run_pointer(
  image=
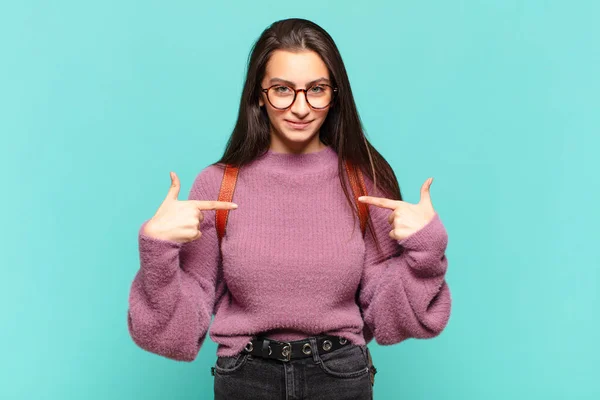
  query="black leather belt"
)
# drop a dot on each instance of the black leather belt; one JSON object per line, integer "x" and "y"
{"x": 285, "y": 351}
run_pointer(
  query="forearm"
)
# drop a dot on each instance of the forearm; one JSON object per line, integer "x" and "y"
{"x": 169, "y": 311}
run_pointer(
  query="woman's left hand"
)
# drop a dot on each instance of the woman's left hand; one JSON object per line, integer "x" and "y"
{"x": 406, "y": 218}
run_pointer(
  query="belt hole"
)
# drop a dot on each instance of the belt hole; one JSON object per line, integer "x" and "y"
{"x": 306, "y": 348}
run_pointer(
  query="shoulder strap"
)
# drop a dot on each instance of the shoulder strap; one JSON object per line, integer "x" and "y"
{"x": 230, "y": 178}
{"x": 225, "y": 194}
{"x": 359, "y": 189}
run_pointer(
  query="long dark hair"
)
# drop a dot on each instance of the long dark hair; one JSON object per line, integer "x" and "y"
{"x": 342, "y": 129}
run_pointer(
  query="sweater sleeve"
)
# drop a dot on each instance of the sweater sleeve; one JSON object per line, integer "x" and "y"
{"x": 403, "y": 291}
{"x": 174, "y": 292}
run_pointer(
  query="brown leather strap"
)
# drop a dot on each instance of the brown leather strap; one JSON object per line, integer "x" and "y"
{"x": 230, "y": 178}
{"x": 359, "y": 189}
{"x": 225, "y": 194}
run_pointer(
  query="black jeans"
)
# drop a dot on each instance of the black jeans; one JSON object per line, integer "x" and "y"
{"x": 340, "y": 374}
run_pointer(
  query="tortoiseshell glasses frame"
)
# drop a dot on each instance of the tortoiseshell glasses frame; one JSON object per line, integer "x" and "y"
{"x": 334, "y": 91}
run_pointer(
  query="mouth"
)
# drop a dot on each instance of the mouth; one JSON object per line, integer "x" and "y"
{"x": 297, "y": 124}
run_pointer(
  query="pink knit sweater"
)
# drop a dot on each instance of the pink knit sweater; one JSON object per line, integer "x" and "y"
{"x": 293, "y": 258}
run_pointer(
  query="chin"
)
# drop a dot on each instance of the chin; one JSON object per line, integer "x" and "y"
{"x": 298, "y": 136}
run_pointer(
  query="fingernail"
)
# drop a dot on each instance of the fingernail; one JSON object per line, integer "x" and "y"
{"x": 234, "y": 205}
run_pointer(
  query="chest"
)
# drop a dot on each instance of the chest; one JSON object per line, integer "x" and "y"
{"x": 296, "y": 232}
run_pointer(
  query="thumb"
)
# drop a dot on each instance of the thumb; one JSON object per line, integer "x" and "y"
{"x": 425, "y": 193}
{"x": 174, "y": 189}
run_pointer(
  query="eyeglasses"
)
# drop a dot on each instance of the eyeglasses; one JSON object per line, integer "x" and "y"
{"x": 317, "y": 96}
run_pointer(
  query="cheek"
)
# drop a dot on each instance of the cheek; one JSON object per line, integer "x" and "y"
{"x": 321, "y": 115}
{"x": 276, "y": 118}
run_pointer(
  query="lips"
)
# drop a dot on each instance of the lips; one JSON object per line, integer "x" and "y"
{"x": 298, "y": 124}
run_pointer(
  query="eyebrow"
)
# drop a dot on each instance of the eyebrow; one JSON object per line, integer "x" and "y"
{"x": 322, "y": 79}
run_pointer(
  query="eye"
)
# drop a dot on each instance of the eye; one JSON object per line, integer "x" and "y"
{"x": 281, "y": 89}
{"x": 317, "y": 89}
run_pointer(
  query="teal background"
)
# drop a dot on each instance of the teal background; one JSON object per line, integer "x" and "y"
{"x": 497, "y": 100}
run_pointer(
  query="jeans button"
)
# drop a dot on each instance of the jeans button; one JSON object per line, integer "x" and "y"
{"x": 327, "y": 345}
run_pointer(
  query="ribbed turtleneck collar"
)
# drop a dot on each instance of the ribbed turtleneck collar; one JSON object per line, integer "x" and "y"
{"x": 298, "y": 163}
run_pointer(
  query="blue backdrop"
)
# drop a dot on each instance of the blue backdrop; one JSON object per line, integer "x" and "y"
{"x": 497, "y": 100}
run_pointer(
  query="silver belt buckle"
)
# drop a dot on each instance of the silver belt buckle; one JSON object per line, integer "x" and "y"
{"x": 286, "y": 351}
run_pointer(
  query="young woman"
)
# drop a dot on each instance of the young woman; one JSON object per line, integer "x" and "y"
{"x": 296, "y": 289}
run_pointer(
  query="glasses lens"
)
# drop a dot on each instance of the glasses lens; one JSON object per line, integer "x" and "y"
{"x": 281, "y": 96}
{"x": 318, "y": 96}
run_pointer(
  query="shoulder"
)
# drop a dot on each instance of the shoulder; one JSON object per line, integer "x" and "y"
{"x": 208, "y": 182}
{"x": 373, "y": 188}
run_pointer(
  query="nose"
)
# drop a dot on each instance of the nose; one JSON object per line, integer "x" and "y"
{"x": 300, "y": 108}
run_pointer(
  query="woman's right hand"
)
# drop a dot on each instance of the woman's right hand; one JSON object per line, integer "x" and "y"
{"x": 179, "y": 220}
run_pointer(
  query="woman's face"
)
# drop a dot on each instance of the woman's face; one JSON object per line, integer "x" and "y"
{"x": 297, "y": 70}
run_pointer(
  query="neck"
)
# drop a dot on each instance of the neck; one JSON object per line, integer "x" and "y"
{"x": 280, "y": 145}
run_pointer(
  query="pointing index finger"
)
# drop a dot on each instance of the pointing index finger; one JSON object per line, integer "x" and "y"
{"x": 379, "y": 202}
{"x": 215, "y": 205}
